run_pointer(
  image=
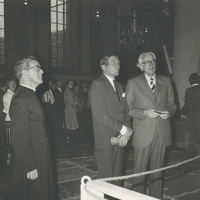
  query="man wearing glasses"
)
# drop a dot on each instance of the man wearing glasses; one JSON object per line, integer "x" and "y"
{"x": 151, "y": 104}
{"x": 31, "y": 173}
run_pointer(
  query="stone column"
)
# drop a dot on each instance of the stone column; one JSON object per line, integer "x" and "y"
{"x": 186, "y": 44}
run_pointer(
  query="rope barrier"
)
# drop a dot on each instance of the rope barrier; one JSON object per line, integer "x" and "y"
{"x": 149, "y": 172}
{"x": 139, "y": 174}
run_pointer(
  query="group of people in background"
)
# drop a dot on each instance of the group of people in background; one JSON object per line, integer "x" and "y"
{"x": 66, "y": 109}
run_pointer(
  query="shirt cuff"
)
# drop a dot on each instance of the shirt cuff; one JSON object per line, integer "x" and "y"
{"x": 123, "y": 130}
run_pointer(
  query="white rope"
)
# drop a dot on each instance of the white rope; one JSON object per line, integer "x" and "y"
{"x": 138, "y": 174}
{"x": 149, "y": 172}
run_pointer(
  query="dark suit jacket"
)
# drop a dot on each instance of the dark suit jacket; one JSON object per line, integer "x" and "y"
{"x": 108, "y": 113}
{"x": 30, "y": 148}
{"x": 59, "y": 100}
{"x": 139, "y": 98}
{"x": 192, "y": 107}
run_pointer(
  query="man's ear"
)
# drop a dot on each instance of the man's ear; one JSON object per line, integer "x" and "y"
{"x": 24, "y": 72}
{"x": 140, "y": 66}
{"x": 103, "y": 67}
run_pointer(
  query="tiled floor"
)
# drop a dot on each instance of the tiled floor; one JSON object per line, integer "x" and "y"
{"x": 77, "y": 161}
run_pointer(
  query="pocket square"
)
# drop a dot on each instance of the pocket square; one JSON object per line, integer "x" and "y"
{"x": 123, "y": 95}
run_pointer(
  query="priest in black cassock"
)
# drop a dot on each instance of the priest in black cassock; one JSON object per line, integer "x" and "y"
{"x": 31, "y": 171}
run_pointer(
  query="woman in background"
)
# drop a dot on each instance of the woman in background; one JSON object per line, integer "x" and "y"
{"x": 71, "y": 123}
{"x": 11, "y": 86}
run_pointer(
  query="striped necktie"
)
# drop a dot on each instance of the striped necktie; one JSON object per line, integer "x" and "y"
{"x": 152, "y": 85}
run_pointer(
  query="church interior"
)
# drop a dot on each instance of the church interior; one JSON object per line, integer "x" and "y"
{"x": 69, "y": 37}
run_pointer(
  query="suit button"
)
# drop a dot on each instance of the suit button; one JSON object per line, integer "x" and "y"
{"x": 122, "y": 112}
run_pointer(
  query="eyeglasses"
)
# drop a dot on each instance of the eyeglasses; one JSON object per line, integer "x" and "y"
{"x": 38, "y": 68}
{"x": 152, "y": 62}
{"x": 114, "y": 62}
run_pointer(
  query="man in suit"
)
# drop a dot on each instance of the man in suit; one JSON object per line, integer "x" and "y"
{"x": 58, "y": 108}
{"x": 191, "y": 110}
{"x": 31, "y": 171}
{"x": 151, "y": 103}
{"x": 110, "y": 118}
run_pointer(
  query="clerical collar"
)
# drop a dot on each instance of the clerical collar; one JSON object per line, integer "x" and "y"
{"x": 28, "y": 87}
{"x": 195, "y": 84}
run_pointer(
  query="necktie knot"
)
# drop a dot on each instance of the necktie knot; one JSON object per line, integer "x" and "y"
{"x": 152, "y": 85}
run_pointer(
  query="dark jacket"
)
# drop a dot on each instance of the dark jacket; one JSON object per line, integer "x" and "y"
{"x": 30, "y": 145}
{"x": 108, "y": 113}
{"x": 192, "y": 107}
{"x": 59, "y": 100}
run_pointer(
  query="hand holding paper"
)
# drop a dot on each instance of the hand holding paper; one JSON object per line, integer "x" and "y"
{"x": 163, "y": 114}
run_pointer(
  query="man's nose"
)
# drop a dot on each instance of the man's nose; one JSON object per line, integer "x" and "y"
{"x": 41, "y": 71}
{"x": 117, "y": 66}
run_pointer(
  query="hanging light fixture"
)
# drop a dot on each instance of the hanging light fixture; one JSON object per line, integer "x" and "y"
{"x": 133, "y": 37}
{"x": 25, "y": 2}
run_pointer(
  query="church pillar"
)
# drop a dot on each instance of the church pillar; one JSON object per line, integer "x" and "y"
{"x": 186, "y": 44}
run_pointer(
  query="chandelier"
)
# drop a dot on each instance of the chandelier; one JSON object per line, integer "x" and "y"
{"x": 131, "y": 38}
{"x": 134, "y": 38}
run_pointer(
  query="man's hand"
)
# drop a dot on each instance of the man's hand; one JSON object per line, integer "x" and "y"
{"x": 128, "y": 133}
{"x": 164, "y": 116}
{"x": 32, "y": 175}
{"x": 150, "y": 113}
{"x": 123, "y": 141}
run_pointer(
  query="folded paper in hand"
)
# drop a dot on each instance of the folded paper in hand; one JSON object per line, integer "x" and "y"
{"x": 161, "y": 112}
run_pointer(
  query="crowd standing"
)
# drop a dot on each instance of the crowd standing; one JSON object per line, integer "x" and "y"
{"x": 32, "y": 124}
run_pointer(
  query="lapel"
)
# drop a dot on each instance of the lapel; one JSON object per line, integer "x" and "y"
{"x": 120, "y": 92}
{"x": 145, "y": 86}
{"x": 109, "y": 88}
{"x": 147, "y": 89}
{"x": 159, "y": 85}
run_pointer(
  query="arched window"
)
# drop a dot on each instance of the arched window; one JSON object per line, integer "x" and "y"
{"x": 64, "y": 34}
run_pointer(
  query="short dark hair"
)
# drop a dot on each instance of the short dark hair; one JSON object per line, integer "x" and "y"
{"x": 10, "y": 80}
{"x": 194, "y": 78}
{"x": 104, "y": 60}
{"x": 67, "y": 82}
